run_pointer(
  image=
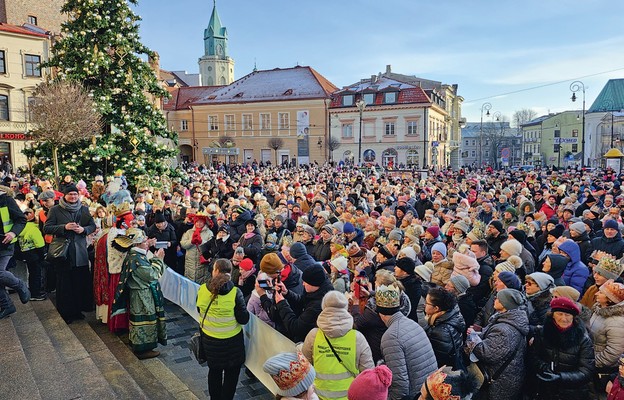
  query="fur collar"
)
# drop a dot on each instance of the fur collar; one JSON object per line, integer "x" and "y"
{"x": 562, "y": 340}
{"x": 610, "y": 311}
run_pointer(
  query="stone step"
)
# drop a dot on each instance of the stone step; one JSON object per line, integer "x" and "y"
{"x": 156, "y": 386}
{"x": 60, "y": 366}
{"x": 17, "y": 379}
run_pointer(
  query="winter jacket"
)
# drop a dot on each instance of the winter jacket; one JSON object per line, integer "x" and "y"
{"x": 569, "y": 354}
{"x": 335, "y": 323}
{"x": 539, "y": 305}
{"x": 421, "y": 206}
{"x": 413, "y": 290}
{"x": 254, "y": 306}
{"x": 469, "y": 272}
{"x": 30, "y": 238}
{"x": 193, "y": 269}
{"x": 373, "y": 328}
{"x": 528, "y": 261}
{"x": 575, "y": 273}
{"x": 613, "y": 246}
{"x": 168, "y": 234}
{"x": 505, "y": 333}
{"x": 495, "y": 244}
{"x": 467, "y": 308}
{"x": 607, "y": 330}
{"x": 483, "y": 316}
{"x": 446, "y": 337}
{"x": 558, "y": 265}
{"x": 218, "y": 248}
{"x": 297, "y": 325}
{"x": 426, "y": 248}
{"x": 481, "y": 292}
{"x": 58, "y": 217}
{"x": 409, "y": 355}
{"x": 617, "y": 390}
{"x": 358, "y": 238}
{"x": 304, "y": 262}
{"x": 322, "y": 252}
{"x": 230, "y": 352}
{"x": 585, "y": 245}
{"x": 252, "y": 246}
{"x": 442, "y": 272}
{"x": 237, "y": 227}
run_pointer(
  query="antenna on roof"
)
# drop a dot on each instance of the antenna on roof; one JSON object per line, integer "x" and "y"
{"x": 255, "y": 65}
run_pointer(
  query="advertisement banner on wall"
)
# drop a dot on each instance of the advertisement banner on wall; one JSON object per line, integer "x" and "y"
{"x": 303, "y": 124}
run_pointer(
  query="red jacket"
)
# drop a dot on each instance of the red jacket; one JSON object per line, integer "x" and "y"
{"x": 548, "y": 210}
{"x": 617, "y": 391}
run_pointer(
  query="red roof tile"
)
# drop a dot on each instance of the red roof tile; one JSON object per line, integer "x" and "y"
{"x": 19, "y": 30}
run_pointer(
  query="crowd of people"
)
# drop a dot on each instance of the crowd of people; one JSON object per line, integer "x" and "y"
{"x": 395, "y": 284}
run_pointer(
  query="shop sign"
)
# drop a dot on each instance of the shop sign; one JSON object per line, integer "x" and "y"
{"x": 12, "y": 136}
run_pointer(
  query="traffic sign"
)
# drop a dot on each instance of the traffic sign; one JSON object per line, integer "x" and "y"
{"x": 435, "y": 144}
{"x": 505, "y": 152}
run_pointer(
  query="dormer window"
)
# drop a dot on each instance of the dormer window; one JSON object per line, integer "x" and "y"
{"x": 369, "y": 98}
{"x": 32, "y": 20}
{"x": 390, "y": 97}
{"x": 347, "y": 100}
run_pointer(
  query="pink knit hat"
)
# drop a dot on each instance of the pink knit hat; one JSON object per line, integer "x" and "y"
{"x": 371, "y": 384}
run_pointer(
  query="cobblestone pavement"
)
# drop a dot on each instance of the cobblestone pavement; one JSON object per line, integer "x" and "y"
{"x": 177, "y": 357}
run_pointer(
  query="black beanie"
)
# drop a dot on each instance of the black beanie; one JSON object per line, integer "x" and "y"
{"x": 498, "y": 226}
{"x": 406, "y": 264}
{"x": 70, "y": 188}
{"x": 159, "y": 217}
{"x": 519, "y": 235}
{"x": 314, "y": 275}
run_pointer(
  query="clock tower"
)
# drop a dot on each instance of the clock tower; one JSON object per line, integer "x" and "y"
{"x": 216, "y": 68}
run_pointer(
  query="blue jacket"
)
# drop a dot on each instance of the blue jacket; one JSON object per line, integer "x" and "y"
{"x": 575, "y": 273}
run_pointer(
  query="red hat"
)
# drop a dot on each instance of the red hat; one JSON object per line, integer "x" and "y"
{"x": 434, "y": 231}
{"x": 565, "y": 305}
{"x": 246, "y": 264}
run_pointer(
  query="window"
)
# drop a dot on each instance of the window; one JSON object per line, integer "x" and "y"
{"x": 283, "y": 120}
{"x": 228, "y": 122}
{"x": 184, "y": 125}
{"x": 390, "y": 97}
{"x": 557, "y": 133}
{"x": 474, "y": 142}
{"x": 574, "y": 148}
{"x": 4, "y": 108}
{"x": 2, "y": 62}
{"x": 32, "y": 20}
{"x": 389, "y": 129}
{"x": 574, "y": 132}
{"x": 347, "y": 130}
{"x": 413, "y": 158}
{"x": 213, "y": 123}
{"x": 247, "y": 122}
{"x": 369, "y": 98}
{"x": 556, "y": 149}
{"x": 31, "y": 102}
{"x": 265, "y": 121}
{"x": 347, "y": 100}
{"x": 412, "y": 128}
{"x": 487, "y": 153}
{"x": 467, "y": 143}
{"x": 487, "y": 142}
{"x": 31, "y": 64}
{"x": 473, "y": 153}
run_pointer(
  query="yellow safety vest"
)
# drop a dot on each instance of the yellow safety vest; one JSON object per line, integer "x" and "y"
{"x": 332, "y": 378}
{"x": 7, "y": 224}
{"x": 220, "y": 322}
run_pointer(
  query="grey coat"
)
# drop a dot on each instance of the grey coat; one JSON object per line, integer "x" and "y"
{"x": 505, "y": 332}
{"x": 408, "y": 353}
{"x": 58, "y": 217}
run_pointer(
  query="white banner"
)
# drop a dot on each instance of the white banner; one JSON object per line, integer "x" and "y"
{"x": 261, "y": 341}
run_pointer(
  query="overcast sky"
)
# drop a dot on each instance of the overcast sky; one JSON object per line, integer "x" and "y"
{"x": 513, "y": 54}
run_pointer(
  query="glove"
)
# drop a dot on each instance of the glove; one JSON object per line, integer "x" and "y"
{"x": 196, "y": 238}
{"x": 548, "y": 376}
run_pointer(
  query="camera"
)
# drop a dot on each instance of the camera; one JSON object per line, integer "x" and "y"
{"x": 265, "y": 284}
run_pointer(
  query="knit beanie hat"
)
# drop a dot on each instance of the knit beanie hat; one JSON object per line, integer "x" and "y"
{"x": 563, "y": 304}
{"x": 543, "y": 280}
{"x": 557, "y": 231}
{"x": 388, "y": 299}
{"x": 609, "y": 268}
{"x": 608, "y": 224}
{"x": 246, "y": 264}
{"x": 578, "y": 227}
{"x": 70, "y": 188}
{"x": 613, "y": 290}
{"x": 519, "y": 235}
{"x": 434, "y": 231}
{"x": 439, "y": 247}
{"x": 408, "y": 252}
{"x": 292, "y": 373}
{"x": 334, "y": 299}
{"x": 159, "y": 217}
{"x": 510, "y": 280}
{"x": 383, "y": 250}
{"x": 566, "y": 291}
{"x": 328, "y": 229}
{"x": 314, "y": 275}
{"x": 462, "y": 226}
{"x": 511, "y": 264}
{"x": 371, "y": 384}
{"x": 406, "y": 264}
{"x": 467, "y": 259}
{"x": 425, "y": 271}
{"x": 460, "y": 283}
{"x": 497, "y": 225}
{"x": 271, "y": 264}
{"x": 340, "y": 263}
{"x": 348, "y": 228}
{"x": 395, "y": 234}
{"x": 298, "y": 250}
{"x": 510, "y": 298}
{"x": 512, "y": 247}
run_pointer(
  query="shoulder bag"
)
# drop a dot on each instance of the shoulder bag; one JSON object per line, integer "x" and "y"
{"x": 195, "y": 344}
{"x": 59, "y": 247}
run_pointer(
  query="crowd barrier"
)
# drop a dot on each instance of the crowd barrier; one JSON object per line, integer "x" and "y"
{"x": 261, "y": 340}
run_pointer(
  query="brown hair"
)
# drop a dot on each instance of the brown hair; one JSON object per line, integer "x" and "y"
{"x": 224, "y": 266}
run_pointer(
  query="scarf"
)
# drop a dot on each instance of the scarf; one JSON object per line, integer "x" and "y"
{"x": 71, "y": 207}
{"x": 432, "y": 318}
{"x": 196, "y": 238}
{"x": 244, "y": 275}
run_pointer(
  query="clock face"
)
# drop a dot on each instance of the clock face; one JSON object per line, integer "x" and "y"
{"x": 219, "y": 50}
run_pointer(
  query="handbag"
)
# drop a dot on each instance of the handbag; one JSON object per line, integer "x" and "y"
{"x": 195, "y": 342}
{"x": 58, "y": 250}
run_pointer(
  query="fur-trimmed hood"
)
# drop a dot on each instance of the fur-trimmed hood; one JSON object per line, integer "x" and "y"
{"x": 609, "y": 311}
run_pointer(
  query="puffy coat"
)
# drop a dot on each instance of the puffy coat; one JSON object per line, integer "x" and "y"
{"x": 409, "y": 355}
{"x": 298, "y": 325}
{"x": 505, "y": 332}
{"x": 613, "y": 246}
{"x": 446, "y": 337}
{"x": 539, "y": 305}
{"x": 575, "y": 273}
{"x": 483, "y": 316}
{"x": 442, "y": 272}
{"x": 230, "y": 352}
{"x": 607, "y": 329}
{"x": 373, "y": 328}
{"x": 495, "y": 243}
{"x": 570, "y": 354}
{"x": 462, "y": 265}
{"x": 237, "y": 227}
{"x": 585, "y": 245}
{"x": 322, "y": 252}
{"x": 413, "y": 290}
{"x": 467, "y": 308}
{"x": 335, "y": 323}
{"x": 193, "y": 269}
{"x": 252, "y": 246}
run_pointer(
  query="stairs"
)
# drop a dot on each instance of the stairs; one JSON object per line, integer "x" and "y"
{"x": 44, "y": 358}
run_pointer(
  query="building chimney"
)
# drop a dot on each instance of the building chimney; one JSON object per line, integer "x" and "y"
{"x": 388, "y": 69}
{"x": 373, "y": 78}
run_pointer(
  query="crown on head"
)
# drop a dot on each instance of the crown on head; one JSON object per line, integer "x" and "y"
{"x": 289, "y": 378}
{"x": 388, "y": 296}
{"x": 439, "y": 389}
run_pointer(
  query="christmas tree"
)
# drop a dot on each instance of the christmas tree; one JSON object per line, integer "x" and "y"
{"x": 101, "y": 49}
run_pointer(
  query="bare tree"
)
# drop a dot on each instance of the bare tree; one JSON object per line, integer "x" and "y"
{"x": 63, "y": 113}
{"x": 333, "y": 144}
{"x": 493, "y": 133}
{"x": 523, "y": 116}
{"x": 276, "y": 144}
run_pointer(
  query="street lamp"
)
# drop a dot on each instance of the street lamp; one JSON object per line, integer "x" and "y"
{"x": 607, "y": 105}
{"x": 360, "y": 104}
{"x": 575, "y": 87}
{"x": 484, "y": 107}
{"x": 558, "y": 145}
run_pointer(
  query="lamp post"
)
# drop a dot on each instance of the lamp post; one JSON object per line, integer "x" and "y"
{"x": 360, "y": 104}
{"x": 575, "y": 87}
{"x": 607, "y": 105}
{"x": 558, "y": 145}
{"x": 484, "y": 107}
